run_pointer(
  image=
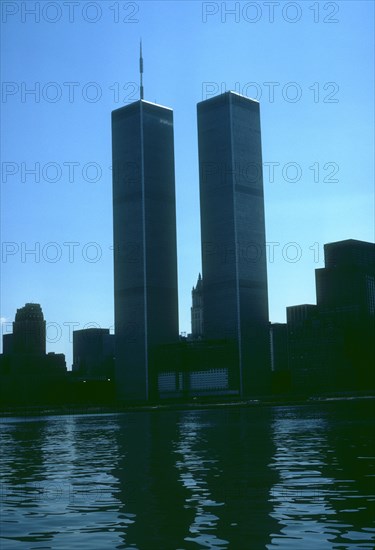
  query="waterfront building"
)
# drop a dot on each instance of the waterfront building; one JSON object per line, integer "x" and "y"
{"x": 331, "y": 345}
{"x": 145, "y": 250}
{"x": 93, "y": 353}
{"x": 29, "y": 375}
{"x": 233, "y": 235}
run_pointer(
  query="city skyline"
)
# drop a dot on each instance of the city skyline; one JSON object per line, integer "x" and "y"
{"x": 307, "y": 213}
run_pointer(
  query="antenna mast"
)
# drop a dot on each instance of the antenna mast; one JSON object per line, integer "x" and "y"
{"x": 141, "y": 69}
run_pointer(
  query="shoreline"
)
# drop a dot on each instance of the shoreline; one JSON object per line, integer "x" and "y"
{"x": 70, "y": 410}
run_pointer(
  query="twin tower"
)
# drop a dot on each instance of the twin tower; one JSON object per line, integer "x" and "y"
{"x": 235, "y": 297}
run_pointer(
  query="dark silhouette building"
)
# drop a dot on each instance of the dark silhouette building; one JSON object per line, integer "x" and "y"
{"x": 145, "y": 251}
{"x": 27, "y": 374}
{"x": 29, "y": 331}
{"x": 304, "y": 356}
{"x": 197, "y": 310}
{"x": 7, "y": 344}
{"x": 331, "y": 345}
{"x": 279, "y": 346}
{"x": 197, "y": 368}
{"x": 93, "y": 353}
{"x": 280, "y": 373}
{"x": 347, "y": 280}
{"x": 233, "y": 235}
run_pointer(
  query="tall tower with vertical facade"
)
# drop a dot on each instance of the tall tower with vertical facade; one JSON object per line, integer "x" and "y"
{"x": 145, "y": 249}
{"x": 233, "y": 234}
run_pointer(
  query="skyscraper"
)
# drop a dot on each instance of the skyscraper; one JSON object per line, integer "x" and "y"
{"x": 145, "y": 252}
{"x": 233, "y": 234}
{"x": 29, "y": 330}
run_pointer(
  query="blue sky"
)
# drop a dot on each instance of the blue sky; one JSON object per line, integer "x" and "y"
{"x": 81, "y": 60}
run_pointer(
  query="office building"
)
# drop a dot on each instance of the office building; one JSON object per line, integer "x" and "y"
{"x": 348, "y": 278}
{"x": 331, "y": 345}
{"x": 27, "y": 373}
{"x": 233, "y": 235}
{"x": 93, "y": 353}
{"x": 145, "y": 252}
{"x": 29, "y": 330}
{"x": 280, "y": 372}
{"x": 279, "y": 347}
{"x": 304, "y": 347}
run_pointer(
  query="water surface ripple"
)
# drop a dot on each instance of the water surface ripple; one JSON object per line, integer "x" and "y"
{"x": 240, "y": 478}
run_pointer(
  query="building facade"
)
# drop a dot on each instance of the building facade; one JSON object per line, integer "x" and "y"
{"x": 29, "y": 330}
{"x": 93, "y": 353}
{"x": 233, "y": 235}
{"x": 279, "y": 347}
{"x": 145, "y": 250}
{"x": 331, "y": 345}
{"x": 27, "y": 373}
{"x": 197, "y": 310}
{"x": 348, "y": 278}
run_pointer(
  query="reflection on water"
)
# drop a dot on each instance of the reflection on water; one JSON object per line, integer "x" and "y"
{"x": 282, "y": 477}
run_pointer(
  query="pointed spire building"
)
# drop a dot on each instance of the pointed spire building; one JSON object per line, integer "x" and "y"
{"x": 197, "y": 309}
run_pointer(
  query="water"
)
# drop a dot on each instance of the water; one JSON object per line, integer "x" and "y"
{"x": 281, "y": 477}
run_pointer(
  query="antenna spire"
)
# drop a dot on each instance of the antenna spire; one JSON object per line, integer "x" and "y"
{"x": 141, "y": 69}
